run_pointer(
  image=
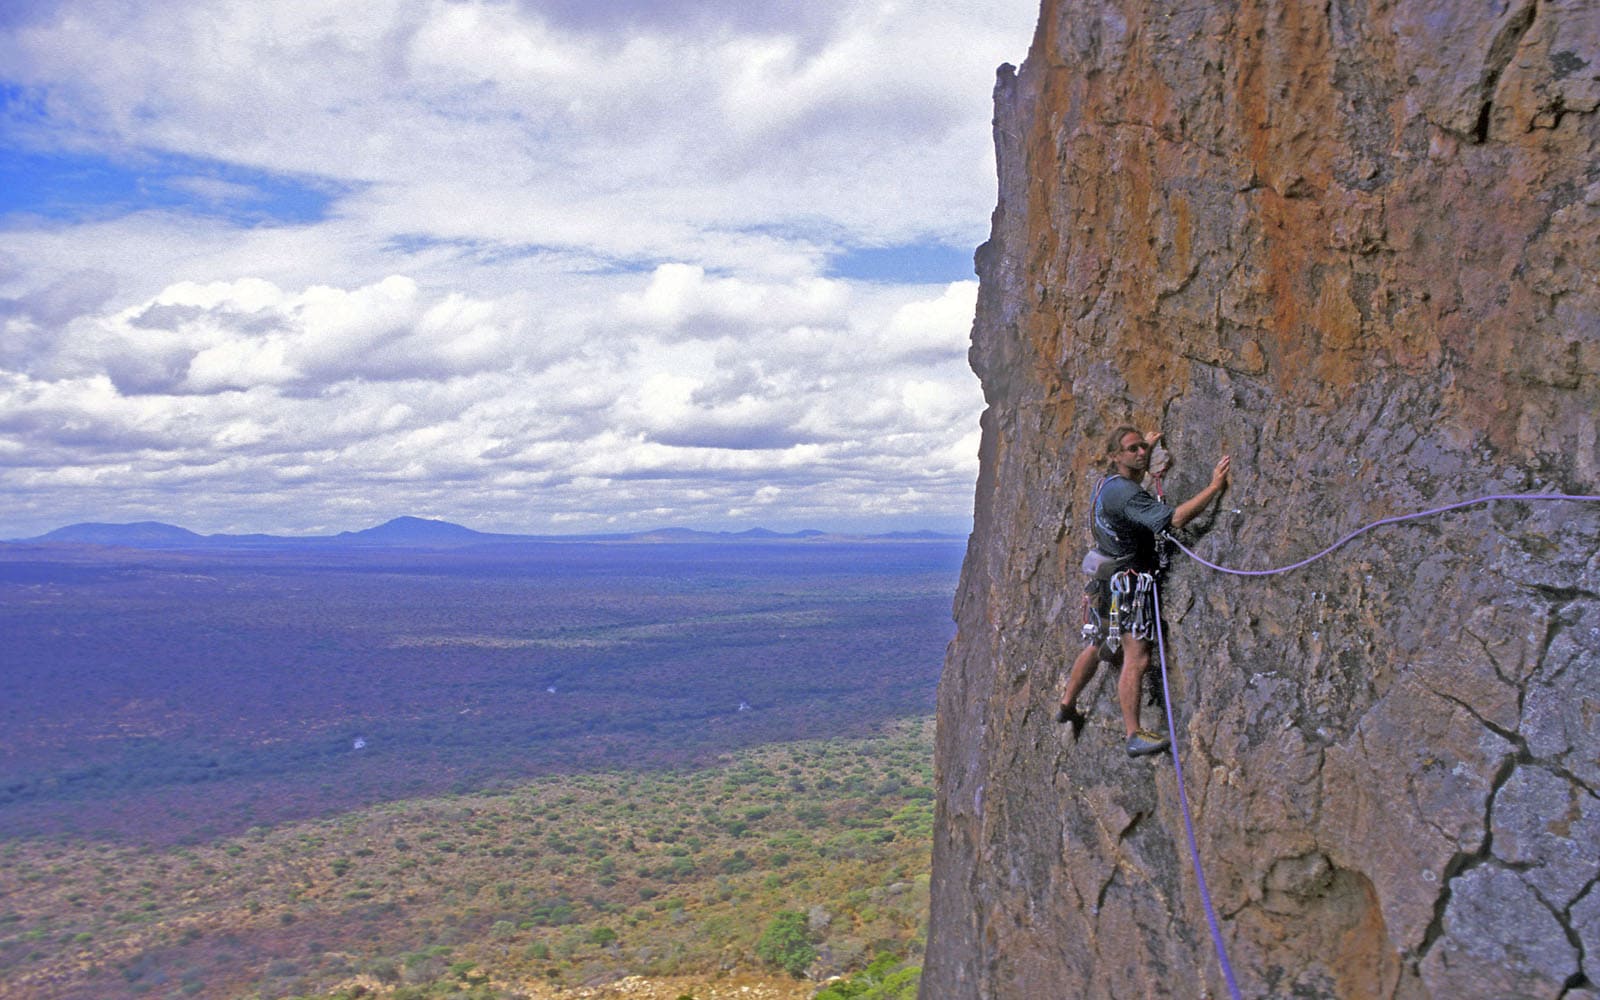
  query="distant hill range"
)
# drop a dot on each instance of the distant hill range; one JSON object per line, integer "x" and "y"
{"x": 417, "y": 532}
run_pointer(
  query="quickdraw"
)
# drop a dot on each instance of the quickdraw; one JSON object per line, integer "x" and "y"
{"x": 1142, "y": 584}
{"x": 1119, "y": 586}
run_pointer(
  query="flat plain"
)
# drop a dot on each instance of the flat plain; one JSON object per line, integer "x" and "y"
{"x": 264, "y": 773}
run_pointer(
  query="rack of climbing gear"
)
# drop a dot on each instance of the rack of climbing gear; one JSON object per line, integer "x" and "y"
{"x": 1128, "y": 609}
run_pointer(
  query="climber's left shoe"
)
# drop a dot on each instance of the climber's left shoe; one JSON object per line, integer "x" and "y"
{"x": 1145, "y": 742}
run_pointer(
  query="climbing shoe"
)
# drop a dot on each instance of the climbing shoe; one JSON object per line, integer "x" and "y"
{"x": 1068, "y": 715}
{"x": 1145, "y": 742}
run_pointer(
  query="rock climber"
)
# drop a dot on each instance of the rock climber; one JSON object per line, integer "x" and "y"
{"x": 1126, "y": 519}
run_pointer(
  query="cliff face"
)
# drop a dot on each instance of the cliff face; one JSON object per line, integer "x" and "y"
{"x": 1354, "y": 245}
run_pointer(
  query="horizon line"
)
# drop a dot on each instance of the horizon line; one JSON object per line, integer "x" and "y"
{"x": 174, "y": 533}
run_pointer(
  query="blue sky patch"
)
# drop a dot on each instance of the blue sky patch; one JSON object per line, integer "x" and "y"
{"x": 916, "y": 263}
{"x": 493, "y": 252}
{"x": 79, "y": 187}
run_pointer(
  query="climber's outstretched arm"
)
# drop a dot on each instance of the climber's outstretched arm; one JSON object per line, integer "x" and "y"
{"x": 1187, "y": 510}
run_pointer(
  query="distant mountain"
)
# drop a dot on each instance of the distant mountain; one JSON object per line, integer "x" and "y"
{"x": 141, "y": 534}
{"x": 757, "y": 533}
{"x": 420, "y": 532}
{"x": 400, "y": 532}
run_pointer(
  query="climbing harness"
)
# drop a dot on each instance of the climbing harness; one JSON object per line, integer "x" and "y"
{"x": 1172, "y": 726}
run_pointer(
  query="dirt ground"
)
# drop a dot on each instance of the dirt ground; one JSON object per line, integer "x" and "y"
{"x": 730, "y": 987}
{"x": 673, "y": 988}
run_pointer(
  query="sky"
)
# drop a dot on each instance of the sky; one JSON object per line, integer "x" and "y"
{"x": 540, "y": 266}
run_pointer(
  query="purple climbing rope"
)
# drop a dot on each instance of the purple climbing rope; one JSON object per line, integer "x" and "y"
{"x": 1188, "y": 821}
{"x": 1172, "y": 726}
{"x": 1375, "y": 524}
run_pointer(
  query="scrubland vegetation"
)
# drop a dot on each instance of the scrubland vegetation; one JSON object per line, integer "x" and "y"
{"x": 558, "y": 881}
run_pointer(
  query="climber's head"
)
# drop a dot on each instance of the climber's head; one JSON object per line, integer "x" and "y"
{"x": 1129, "y": 451}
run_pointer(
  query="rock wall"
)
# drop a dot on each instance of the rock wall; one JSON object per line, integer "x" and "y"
{"x": 1355, "y": 245}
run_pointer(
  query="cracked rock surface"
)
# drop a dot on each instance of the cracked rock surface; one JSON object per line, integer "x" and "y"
{"x": 1355, "y": 246}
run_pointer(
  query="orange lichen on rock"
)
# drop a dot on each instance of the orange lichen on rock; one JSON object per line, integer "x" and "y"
{"x": 1353, "y": 245}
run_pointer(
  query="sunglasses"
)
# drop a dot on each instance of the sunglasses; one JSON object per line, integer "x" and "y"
{"x": 1141, "y": 446}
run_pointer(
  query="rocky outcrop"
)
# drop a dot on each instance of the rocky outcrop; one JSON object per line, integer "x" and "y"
{"x": 1354, "y": 245}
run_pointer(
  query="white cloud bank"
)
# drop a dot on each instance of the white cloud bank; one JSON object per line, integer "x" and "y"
{"x": 573, "y": 272}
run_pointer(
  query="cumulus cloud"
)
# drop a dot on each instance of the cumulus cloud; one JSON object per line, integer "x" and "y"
{"x": 346, "y": 389}
{"x": 934, "y": 330}
{"x": 208, "y": 338}
{"x": 534, "y": 269}
{"x": 680, "y": 297}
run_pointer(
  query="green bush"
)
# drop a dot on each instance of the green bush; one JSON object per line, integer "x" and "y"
{"x": 786, "y": 943}
{"x": 878, "y": 981}
{"x": 384, "y": 970}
